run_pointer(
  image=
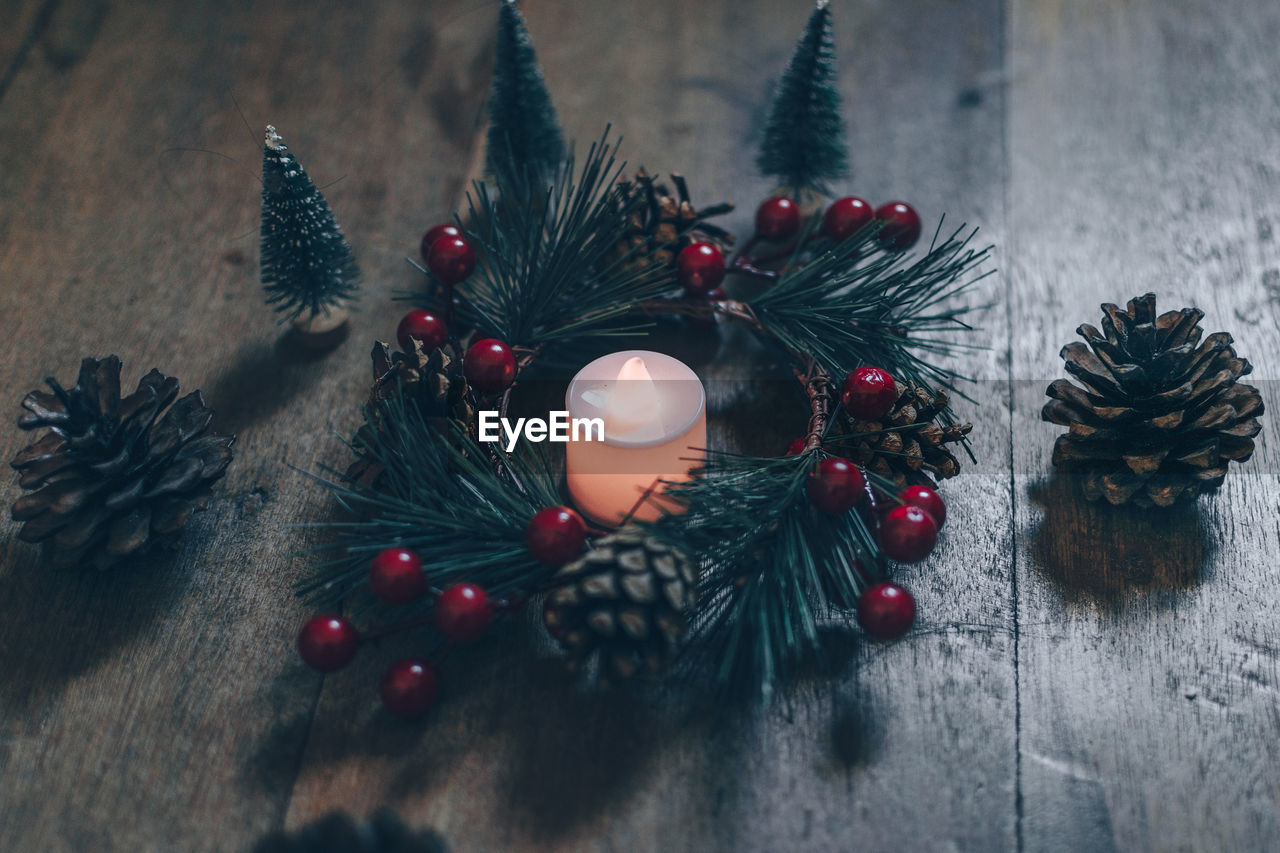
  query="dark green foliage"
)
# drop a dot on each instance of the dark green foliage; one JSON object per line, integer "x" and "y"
{"x": 804, "y": 139}
{"x": 462, "y": 504}
{"x": 852, "y": 305}
{"x": 772, "y": 568}
{"x": 525, "y": 142}
{"x": 307, "y": 265}
{"x": 549, "y": 271}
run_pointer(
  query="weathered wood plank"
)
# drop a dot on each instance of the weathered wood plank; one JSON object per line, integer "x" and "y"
{"x": 162, "y": 707}
{"x": 515, "y": 758}
{"x": 1143, "y": 154}
{"x": 26, "y": 22}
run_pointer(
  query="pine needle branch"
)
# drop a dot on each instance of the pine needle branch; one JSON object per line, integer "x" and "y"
{"x": 852, "y": 305}
{"x": 550, "y": 270}
{"x": 441, "y": 496}
{"x": 773, "y": 568}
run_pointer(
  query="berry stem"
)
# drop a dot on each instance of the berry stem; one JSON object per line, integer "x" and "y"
{"x": 817, "y": 384}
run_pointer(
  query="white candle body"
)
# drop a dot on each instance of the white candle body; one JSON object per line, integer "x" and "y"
{"x": 607, "y": 478}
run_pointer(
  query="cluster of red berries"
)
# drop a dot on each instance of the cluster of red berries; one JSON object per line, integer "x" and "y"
{"x": 447, "y": 253}
{"x": 907, "y": 528}
{"x": 462, "y": 613}
{"x": 489, "y": 364}
{"x": 701, "y": 266}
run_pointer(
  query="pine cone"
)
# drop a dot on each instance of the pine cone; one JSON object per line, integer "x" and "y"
{"x": 431, "y": 381}
{"x": 112, "y": 477}
{"x": 625, "y": 598}
{"x": 1160, "y": 413}
{"x": 909, "y": 444}
{"x": 663, "y": 224}
{"x": 338, "y": 832}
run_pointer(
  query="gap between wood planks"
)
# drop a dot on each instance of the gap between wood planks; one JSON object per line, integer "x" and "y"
{"x": 1005, "y": 205}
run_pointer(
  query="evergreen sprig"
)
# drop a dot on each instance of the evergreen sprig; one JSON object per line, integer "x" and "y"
{"x": 853, "y": 305}
{"x": 550, "y": 270}
{"x": 443, "y": 494}
{"x": 773, "y": 568}
{"x": 804, "y": 139}
{"x": 307, "y": 264}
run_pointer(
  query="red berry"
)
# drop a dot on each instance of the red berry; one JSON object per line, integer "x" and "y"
{"x": 700, "y": 268}
{"x": 434, "y": 233}
{"x": 396, "y": 576}
{"x": 908, "y": 534}
{"x": 490, "y": 365}
{"x": 901, "y": 226}
{"x": 846, "y": 217}
{"x": 464, "y": 612}
{"x": 797, "y": 445}
{"x": 409, "y": 688}
{"x": 555, "y": 535}
{"x": 927, "y": 499}
{"x": 835, "y": 486}
{"x": 428, "y": 328}
{"x": 868, "y": 393}
{"x": 886, "y": 611}
{"x": 327, "y": 642}
{"x": 451, "y": 259}
{"x": 777, "y": 218}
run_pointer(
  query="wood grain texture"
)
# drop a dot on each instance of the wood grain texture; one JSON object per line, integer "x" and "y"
{"x": 164, "y": 708}
{"x": 1143, "y": 157}
{"x": 1080, "y": 679}
{"x": 516, "y": 758}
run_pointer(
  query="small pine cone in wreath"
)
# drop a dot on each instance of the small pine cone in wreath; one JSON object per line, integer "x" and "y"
{"x": 112, "y": 477}
{"x": 1161, "y": 412}
{"x": 431, "y": 381}
{"x": 910, "y": 447}
{"x": 626, "y": 598}
{"x": 339, "y": 832}
{"x": 663, "y": 223}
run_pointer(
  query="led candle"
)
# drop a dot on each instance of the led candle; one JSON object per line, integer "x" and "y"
{"x": 654, "y": 411}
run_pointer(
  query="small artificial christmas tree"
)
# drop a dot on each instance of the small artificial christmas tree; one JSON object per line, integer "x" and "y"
{"x": 308, "y": 270}
{"x": 804, "y": 139}
{"x": 524, "y": 133}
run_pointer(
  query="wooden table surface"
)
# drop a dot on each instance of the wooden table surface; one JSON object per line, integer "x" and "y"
{"x": 1079, "y": 679}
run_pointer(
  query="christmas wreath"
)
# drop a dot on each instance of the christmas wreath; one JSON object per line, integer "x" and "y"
{"x": 735, "y": 567}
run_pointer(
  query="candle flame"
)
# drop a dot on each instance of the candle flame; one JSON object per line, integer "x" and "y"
{"x": 634, "y": 409}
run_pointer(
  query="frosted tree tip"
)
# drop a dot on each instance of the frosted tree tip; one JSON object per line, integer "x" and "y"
{"x": 274, "y": 140}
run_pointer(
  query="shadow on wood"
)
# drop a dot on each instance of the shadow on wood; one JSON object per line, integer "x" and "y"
{"x": 574, "y": 756}
{"x": 262, "y": 380}
{"x": 61, "y": 623}
{"x": 1106, "y": 551}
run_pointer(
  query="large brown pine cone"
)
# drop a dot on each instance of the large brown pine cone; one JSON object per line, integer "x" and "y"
{"x": 1161, "y": 412}
{"x": 625, "y": 598}
{"x": 433, "y": 382}
{"x": 664, "y": 223}
{"x": 910, "y": 445}
{"x": 113, "y": 476}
